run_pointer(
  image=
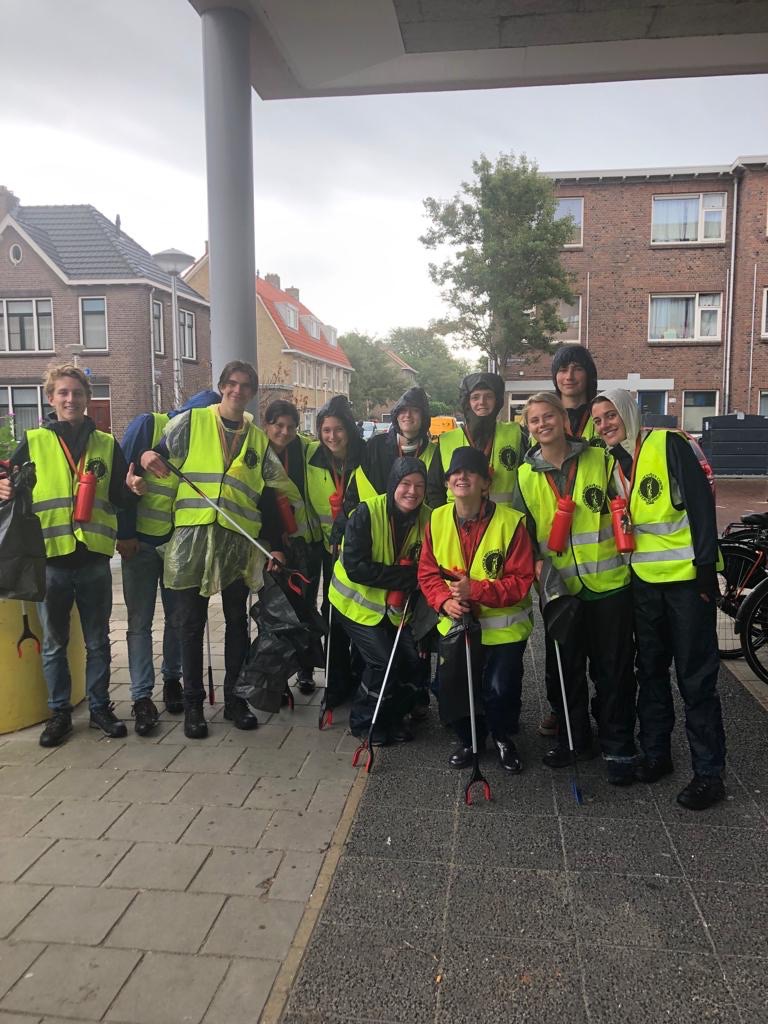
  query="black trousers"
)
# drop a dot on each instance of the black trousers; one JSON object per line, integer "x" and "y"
{"x": 374, "y": 644}
{"x": 673, "y": 621}
{"x": 498, "y": 708}
{"x": 345, "y": 665}
{"x": 190, "y": 614}
{"x": 602, "y": 632}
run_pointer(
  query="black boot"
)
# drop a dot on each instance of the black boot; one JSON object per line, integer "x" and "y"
{"x": 195, "y": 726}
{"x": 173, "y": 697}
{"x": 561, "y": 757}
{"x": 652, "y": 769}
{"x": 144, "y": 716}
{"x": 57, "y": 728}
{"x": 702, "y": 792}
{"x": 461, "y": 757}
{"x": 106, "y": 720}
{"x": 306, "y": 683}
{"x": 508, "y": 755}
{"x": 237, "y": 712}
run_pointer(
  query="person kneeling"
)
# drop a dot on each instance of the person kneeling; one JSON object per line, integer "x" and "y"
{"x": 375, "y": 568}
{"x": 484, "y": 550}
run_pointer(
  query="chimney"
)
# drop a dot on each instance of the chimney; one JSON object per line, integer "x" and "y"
{"x": 274, "y": 280}
{"x": 8, "y": 201}
{"x": 117, "y": 223}
{"x": 293, "y": 292}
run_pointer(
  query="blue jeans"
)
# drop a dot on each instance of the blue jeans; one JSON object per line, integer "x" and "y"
{"x": 141, "y": 575}
{"x": 90, "y": 587}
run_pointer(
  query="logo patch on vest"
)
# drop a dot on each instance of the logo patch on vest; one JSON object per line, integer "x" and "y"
{"x": 596, "y": 442}
{"x": 251, "y": 458}
{"x": 98, "y": 467}
{"x": 593, "y": 497}
{"x": 508, "y": 457}
{"x": 650, "y": 488}
{"x": 492, "y": 563}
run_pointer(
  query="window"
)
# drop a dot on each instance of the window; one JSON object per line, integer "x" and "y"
{"x": 693, "y": 317}
{"x": 295, "y": 371}
{"x": 697, "y": 405}
{"x": 654, "y": 402}
{"x": 28, "y": 405}
{"x": 763, "y": 410}
{"x": 93, "y": 323}
{"x": 290, "y": 314}
{"x": 572, "y": 207}
{"x": 158, "y": 339}
{"x": 302, "y": 373}
{"x": 187, "y": 346}
{"x": 26, "y": 325}
{"x": 572, "y": 316}
{"x": 764, "y": 321}
{"x": 692, "y": 218}
{"x": 312, "y": 326}
{"x": 330, "y": 334}
{"x": 309, "y": 421}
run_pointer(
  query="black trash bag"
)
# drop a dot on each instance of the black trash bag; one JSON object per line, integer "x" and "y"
{"x": 423, "y": 619}
{"x": 558, "y": 608}
{"x": 22, "y": 548}
{"x": 453, "y": 697}
{"x": 289, "y": 640}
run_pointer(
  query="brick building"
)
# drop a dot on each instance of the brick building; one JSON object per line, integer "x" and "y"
{"x": 299, "y": 358}
{"x": 75, "y": 287}
{"x": 670, "y": 273}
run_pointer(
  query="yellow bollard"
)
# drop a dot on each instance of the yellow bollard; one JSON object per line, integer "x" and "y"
{"x": 23, "y": 694}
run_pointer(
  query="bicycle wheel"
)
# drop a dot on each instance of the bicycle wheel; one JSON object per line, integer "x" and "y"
{"x": 743, "y": 569}
{"x": 754, "y": 636}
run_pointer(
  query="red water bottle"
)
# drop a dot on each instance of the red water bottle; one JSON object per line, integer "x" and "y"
{"x": 560, "y": 532}
{"x": 396, "y": 598}
{"x": 287, "y": 518}
{"x": 336, "y": 501}
{"x": 86, "y": 492}
{"x": 622, "y": 526}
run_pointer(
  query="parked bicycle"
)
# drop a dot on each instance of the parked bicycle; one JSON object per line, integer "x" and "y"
{"x": 744, "y": 546}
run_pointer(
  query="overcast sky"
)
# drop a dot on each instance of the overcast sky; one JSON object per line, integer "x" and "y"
{"x": 103, "y": 104}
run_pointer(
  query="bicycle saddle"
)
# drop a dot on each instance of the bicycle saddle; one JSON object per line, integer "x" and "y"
{"x": 755, "y": 519}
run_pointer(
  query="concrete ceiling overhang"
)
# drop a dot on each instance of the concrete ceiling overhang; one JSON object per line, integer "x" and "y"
{"x": 303, "y": 48}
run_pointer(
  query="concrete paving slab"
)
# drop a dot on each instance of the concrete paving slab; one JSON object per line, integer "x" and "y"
{"x": 268, "y": 736}
{"x": 640, "y": 985}
{"x": 18, "y": 854}
{"x": 748, "y": 980}
{"x": 16, "y": 901}
{"x": 147, "y": 787}
{"x": 20, "y": 752}
{"x": 278, "y": 794}
{"x": 15, "y": 959}
{"x": 738, "y": 809}
{"x": 84, "y": 753}
{"x": 19, "y": 814}
{"x": 298, "y": 830}
{"x": 209, "y": 789}
{"x": 254, "y": 927}
{"x": 206, "y": 759}
{"x": 227, "y": 826}
{"x": 81, "y": 783}
{"x": 715, "y": 853}
{"x": 140, "y": 756}
{"x": 325, "y": 764}
{"x": 491, "y": 836}
{"x": 25, "y": 780}
{"x": 79, "y": 819}
{"x": 79, "y": 915}
{"x": 602, "y": 800}
{"x": 259, "y": 762}
{"x": 392, "y": 836}
{"x": 158, "y": 823}
{"x": 18, "y": 1018}
{"x": 168, "y": 989}
{"x": 296, "y": 876}
{"x": 618, "y": 846}
{"x": 76, "y": 981}
{"x": 77, "y": 861}
{"x": 158, "y": 866}
{"x": 172, "y": 922}
{"x": 242, "y": 994}
{"x": 237, "y": 872}
{"x": 431, "y": 789}
{"x": 736, "y": 914}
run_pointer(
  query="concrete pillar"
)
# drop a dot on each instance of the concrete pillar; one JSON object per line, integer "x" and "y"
{"x": 229, "y": 164}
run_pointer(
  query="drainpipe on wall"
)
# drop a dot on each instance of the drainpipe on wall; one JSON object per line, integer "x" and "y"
{"x": 752, "y": 342}
{"x": 729, "y": 328}
{"x": 153, "y": 385}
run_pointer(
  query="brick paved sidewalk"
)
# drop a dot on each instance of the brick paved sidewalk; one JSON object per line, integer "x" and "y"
{"x": 160, "y": 880}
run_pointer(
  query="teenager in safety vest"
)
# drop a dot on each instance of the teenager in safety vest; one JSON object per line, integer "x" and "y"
{"x": 675, "y": 591}
{"x": 482, "y": 398}
{"x": 227, "y": 456}
{"x": 591, "y": 568}
{"x": 486, "y": 550}
{"x": 141, "y": 529}
{"x": 368, "y": 589}
{"x": 331, "y": 461}
{"x": 301, "y": 530}
{"x": 66, "y": 448}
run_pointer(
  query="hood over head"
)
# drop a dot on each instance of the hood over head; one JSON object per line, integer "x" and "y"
{"x": 402, "y": 467}
{"x": 484, "y": 379}
{"x": 199, "y": 401}
{"x": 418, "y": 398}
{"x": 627, "y": 408}
{"x": 339, "y": 407}
{"x": 581, "y": 356}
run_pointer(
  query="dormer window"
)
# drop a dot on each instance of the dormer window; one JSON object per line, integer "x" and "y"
{"x": 330, "y": 334}
{"x": 312, "y": 326}
{"x": 290, "y": 315}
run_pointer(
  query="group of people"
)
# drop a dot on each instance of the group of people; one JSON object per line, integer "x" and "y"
{"x": 417, "y": 543}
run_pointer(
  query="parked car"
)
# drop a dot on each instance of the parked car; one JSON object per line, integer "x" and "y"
{"x": 370, "y": 427}
{"x": 440, "y": 424}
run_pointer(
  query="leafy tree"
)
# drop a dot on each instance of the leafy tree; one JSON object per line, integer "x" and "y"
{"x": 439, "y": 371}
{"x": 376, "y": 381}
{"x": 504, "y": 278}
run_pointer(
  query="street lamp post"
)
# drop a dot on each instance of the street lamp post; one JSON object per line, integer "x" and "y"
{"x": 173, "y": 262}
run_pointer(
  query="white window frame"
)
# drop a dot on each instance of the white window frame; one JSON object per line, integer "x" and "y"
{"x": 159, "y": 351}
{"x": 290, "y": 315}
{"x": 8, "y": 388}
{"x": 700, "y": 239}
{"x": 192, "y": 326}
{"x": 571, "y": 341}
{"x": 83, "y": 298}
{"x": 296, "y": 372}
{"x": 764, "y": 319}
{"x": 331, "y": 334}
{"x": 696, "y": 391}
{"x": 650, "y": 391}
{"x": 580, "y": 243}
{"x": 763, "y": 393}
{"x": 5, "y": 338}
{"x": 697, "y": 339}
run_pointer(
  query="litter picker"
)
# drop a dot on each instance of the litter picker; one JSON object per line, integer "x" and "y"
{"x": 325, "y": 721}
{"x": 367, "y": 743}
{"x": 477, "y": 775}
{"x": 26, "y": 632}
{"x": 575, "y": 784}
{"x": 211, "y": 693}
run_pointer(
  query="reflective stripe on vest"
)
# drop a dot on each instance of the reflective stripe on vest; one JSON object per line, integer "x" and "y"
{"x": 368, "y": 605}
{"x": 497, "y": 625}
{"x": 236, "y": 490}
{"x": 55, "y": 490}
{"x": 663, "y": 542}
{"x": 506, "y": 456}
{"x": 320, "y": 487}
{"x": 591, "y": 560}
{"x": 154, "y": 511}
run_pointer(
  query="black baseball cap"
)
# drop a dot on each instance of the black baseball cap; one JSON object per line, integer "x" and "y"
{"x": 471, "y": 459}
